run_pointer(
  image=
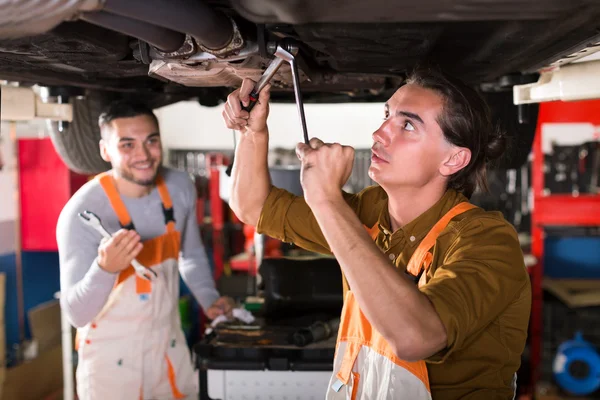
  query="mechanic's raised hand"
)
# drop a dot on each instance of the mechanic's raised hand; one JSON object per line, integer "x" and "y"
{"x": 115, "y": 254}
{"x": 223, "y": 306}
{"x": 326, "y": 167}
{"x": 240, "y": 120}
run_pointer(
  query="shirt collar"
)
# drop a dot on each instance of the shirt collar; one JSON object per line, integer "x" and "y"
{"x": 420, "y": 226}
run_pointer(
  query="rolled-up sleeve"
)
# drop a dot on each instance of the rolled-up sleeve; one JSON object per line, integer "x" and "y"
{"x": 483, "y": 272}
{"x": 288, "y": 218}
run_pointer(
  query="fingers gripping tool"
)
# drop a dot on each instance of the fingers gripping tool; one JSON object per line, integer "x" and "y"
{"x": 91, "y": 219}
{"x": 284, "y": 52}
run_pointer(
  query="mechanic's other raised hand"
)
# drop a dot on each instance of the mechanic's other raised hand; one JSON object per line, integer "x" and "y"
{"x": 326, "y": 168}
{"x": 254, "y": 122}
{"x": 223, "y": 306}
{"x": 115, "y": 254}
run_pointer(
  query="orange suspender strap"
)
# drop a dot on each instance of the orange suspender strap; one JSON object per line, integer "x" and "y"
{"x": 373, "y": 231}
{"x": 167, "y": 203}
{"x": 142, "y": 286}
{"x": 422, "y": 258}
{"x": 116, "y": 202}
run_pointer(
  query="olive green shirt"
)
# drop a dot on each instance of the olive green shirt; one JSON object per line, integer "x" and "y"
{"x": 477, "y": 282}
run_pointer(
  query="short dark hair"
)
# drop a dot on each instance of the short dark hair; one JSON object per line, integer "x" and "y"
{"x": 465, "y": 122}
{"x": 124, "y": 108}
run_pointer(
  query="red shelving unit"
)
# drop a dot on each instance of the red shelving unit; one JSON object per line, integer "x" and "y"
{"x": 555, "y": 210}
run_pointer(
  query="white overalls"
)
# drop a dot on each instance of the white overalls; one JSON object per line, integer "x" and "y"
{"x": 135, "y": 348}
{"x": 365, "y": 366}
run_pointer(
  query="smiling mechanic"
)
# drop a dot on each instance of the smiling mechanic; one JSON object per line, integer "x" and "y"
{"x": 129, "y": 336}
{"x": 437, "y": 297}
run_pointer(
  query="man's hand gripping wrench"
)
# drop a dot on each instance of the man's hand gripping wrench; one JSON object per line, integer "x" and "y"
{"x": 283, "y": 52}
{"x": 91, "y": 219}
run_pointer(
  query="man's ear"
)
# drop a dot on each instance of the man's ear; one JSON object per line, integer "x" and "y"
{"x": 104, "y": 150}
{"x": 458, "y": 159}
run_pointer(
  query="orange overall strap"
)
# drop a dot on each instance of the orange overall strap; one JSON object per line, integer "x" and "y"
{"x": 373, "y": 231}
{"x": 356, "y": 332}
{"x": 167, "y": 203}
{"x": 107, "y": 183}
{"x": 422, "y": 257}
{"x": 125, "y": 220}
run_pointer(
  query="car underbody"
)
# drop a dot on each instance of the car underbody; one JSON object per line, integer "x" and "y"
{"x": 349, "y": 50}
{"x": 87, "y": 52}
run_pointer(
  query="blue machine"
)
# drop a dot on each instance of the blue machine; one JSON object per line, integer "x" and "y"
{"x": 577, "y": 366}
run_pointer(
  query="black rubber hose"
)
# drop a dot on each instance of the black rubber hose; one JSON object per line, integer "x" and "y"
{"x": 208, "y": 26}
{"x": 164, "y": 39}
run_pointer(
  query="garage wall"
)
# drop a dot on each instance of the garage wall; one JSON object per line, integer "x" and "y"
{"x": 40, "y": 269}
{"x": 187, "y": 125}
{"x": 8, "y": 209}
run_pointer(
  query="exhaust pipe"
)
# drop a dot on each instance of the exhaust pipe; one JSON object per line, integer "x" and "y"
{"x": 164, "y": 39}
{"x": 211, "y": 28}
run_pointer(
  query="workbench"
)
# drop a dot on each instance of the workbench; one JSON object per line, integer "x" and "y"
{"x": 261, "y": 364}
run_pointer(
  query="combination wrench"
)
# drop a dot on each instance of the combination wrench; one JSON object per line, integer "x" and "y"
{"x": 284, "y": 52}
{"x": 91, "y": 219}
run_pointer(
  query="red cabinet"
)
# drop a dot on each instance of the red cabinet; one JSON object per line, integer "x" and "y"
{"x": 45, "y": 184}
{"x": 555, "y": 209}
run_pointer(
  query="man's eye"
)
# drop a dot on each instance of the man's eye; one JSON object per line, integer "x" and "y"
{"x": 127, "y": 145}
{"x": 408, "y": 126}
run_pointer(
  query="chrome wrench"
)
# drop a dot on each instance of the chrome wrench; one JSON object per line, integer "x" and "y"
{"x": 91, "y": 219}
{"x": 262, "y": 82}
{"x": 281, "y": 55}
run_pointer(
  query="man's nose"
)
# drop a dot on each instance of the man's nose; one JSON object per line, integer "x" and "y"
{"x": 147, "y": 152}
{"x": 142, "y": 153}
{"x": 381, "y": 135}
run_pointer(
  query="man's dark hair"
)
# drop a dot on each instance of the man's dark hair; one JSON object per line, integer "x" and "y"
{"x": 124, "y": 109}
{"x": 466, "y": 122}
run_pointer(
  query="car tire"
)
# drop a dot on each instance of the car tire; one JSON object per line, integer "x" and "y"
{"x": 77, "y": 142}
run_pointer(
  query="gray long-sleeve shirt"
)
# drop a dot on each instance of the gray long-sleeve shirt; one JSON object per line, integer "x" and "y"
{"x": 85, "y": 287}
